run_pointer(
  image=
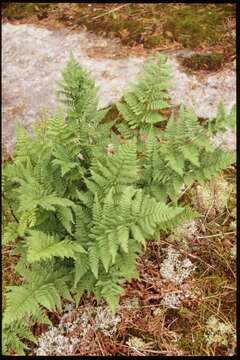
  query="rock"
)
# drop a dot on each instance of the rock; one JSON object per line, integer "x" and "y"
{"x": 33, "y": 58}
{"x": 226, "y": 140}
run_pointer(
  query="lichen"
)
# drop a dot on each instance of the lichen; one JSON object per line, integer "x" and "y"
{"x": 106, "y": 321}
{"x": 212, "y": 197}
{"x": 175, "y": 270}
{"x": 217, "y": 332}
{"x": 57, "y": 341}
{"x": 136, "y": 343}
{"x": 184, "y": 233}
{"x": 171, "y": 300}
{"x": 53, "y": 343}
{"x": 233, "y": 252}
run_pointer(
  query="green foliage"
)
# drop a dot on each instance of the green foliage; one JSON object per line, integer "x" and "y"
{"x": 143, "y": 101}
{"x": 12, "y": 338}
{"x": 86, "y": 200}
{"x": 222, "y": 121}
{"x": 45, "y": 284}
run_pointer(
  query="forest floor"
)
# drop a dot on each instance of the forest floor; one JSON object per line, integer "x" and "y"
{"x": 158, "y": 314}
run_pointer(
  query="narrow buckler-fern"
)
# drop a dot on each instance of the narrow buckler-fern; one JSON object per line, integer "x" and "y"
{"x": 88, "y": 193}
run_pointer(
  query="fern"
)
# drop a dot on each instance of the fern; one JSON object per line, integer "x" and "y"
{"x": 143, "y": 102}
{"x": 222, "y": 121}
{"x": 42, "y": 247}
{"x": 44, "y": 287}
{"x": 87, "y": 194}
{"x": 115, "y": 171}
{"x": 183, "y": 155}
{"x": 12, "y": 338}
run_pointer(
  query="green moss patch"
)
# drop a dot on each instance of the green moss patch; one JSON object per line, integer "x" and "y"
{"x": 209, "y": 62}
{"x": 196, "y": 24}
{"x": 24, "y": 10}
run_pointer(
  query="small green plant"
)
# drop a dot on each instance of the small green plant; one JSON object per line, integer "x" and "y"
{"x": 87, "y": 194}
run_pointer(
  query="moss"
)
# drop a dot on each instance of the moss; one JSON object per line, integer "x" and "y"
{"x": 23, "y": 10}
{"x": 153, "y": 41}
{"x": 195, "y": 24}
{"x": 209, "y": 62}
{"x": 192, "y": 342}
{"x": 116, "y": 27}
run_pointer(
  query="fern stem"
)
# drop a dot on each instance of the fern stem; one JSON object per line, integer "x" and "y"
{"x": 11, "y": 210}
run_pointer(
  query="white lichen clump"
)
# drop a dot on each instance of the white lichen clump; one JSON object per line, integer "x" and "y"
{"x": 53, "y": 343}
{"x": 171, "y": 300}
{"x": 136, "y": 343}
{"x": 211, "y": 197}
{"x": 174, "y": 269}
{"x": 106, "y": 321}
{"x": 233, "y": 252}
{"x": 217, "y": 332}
{"x": 73, "y": 327}
{"x": 184, "y": 233}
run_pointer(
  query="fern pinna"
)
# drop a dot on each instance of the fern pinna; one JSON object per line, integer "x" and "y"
{"x": 87, "y": 193}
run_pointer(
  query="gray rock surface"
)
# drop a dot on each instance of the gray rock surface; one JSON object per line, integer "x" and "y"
{"x": 33, "y": 57}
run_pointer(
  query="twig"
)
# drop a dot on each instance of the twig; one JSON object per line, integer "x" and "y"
{"x": 187, "y": 188}
{"x": 109, "y": 12}
{"x": 225, "y": 260}
{"x": 99, "y": 343}
{"x": 215, "y": 235}
{"x": 156, "y": 351}
{"x": 208, "y": 212}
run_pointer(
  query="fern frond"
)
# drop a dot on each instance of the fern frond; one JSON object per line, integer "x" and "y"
{"x": 81, "y": 267}
{"x": 120, "y": 169}
{"x": 12, "y": 338}
{"x": 23, "y": 146}
{"x": 44, "y": 288}
{"x": 65, "y": 216}
{"x": 144, "y": 101}
{"x": 43, "y": 247}
{"x": 222, "y": 121}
